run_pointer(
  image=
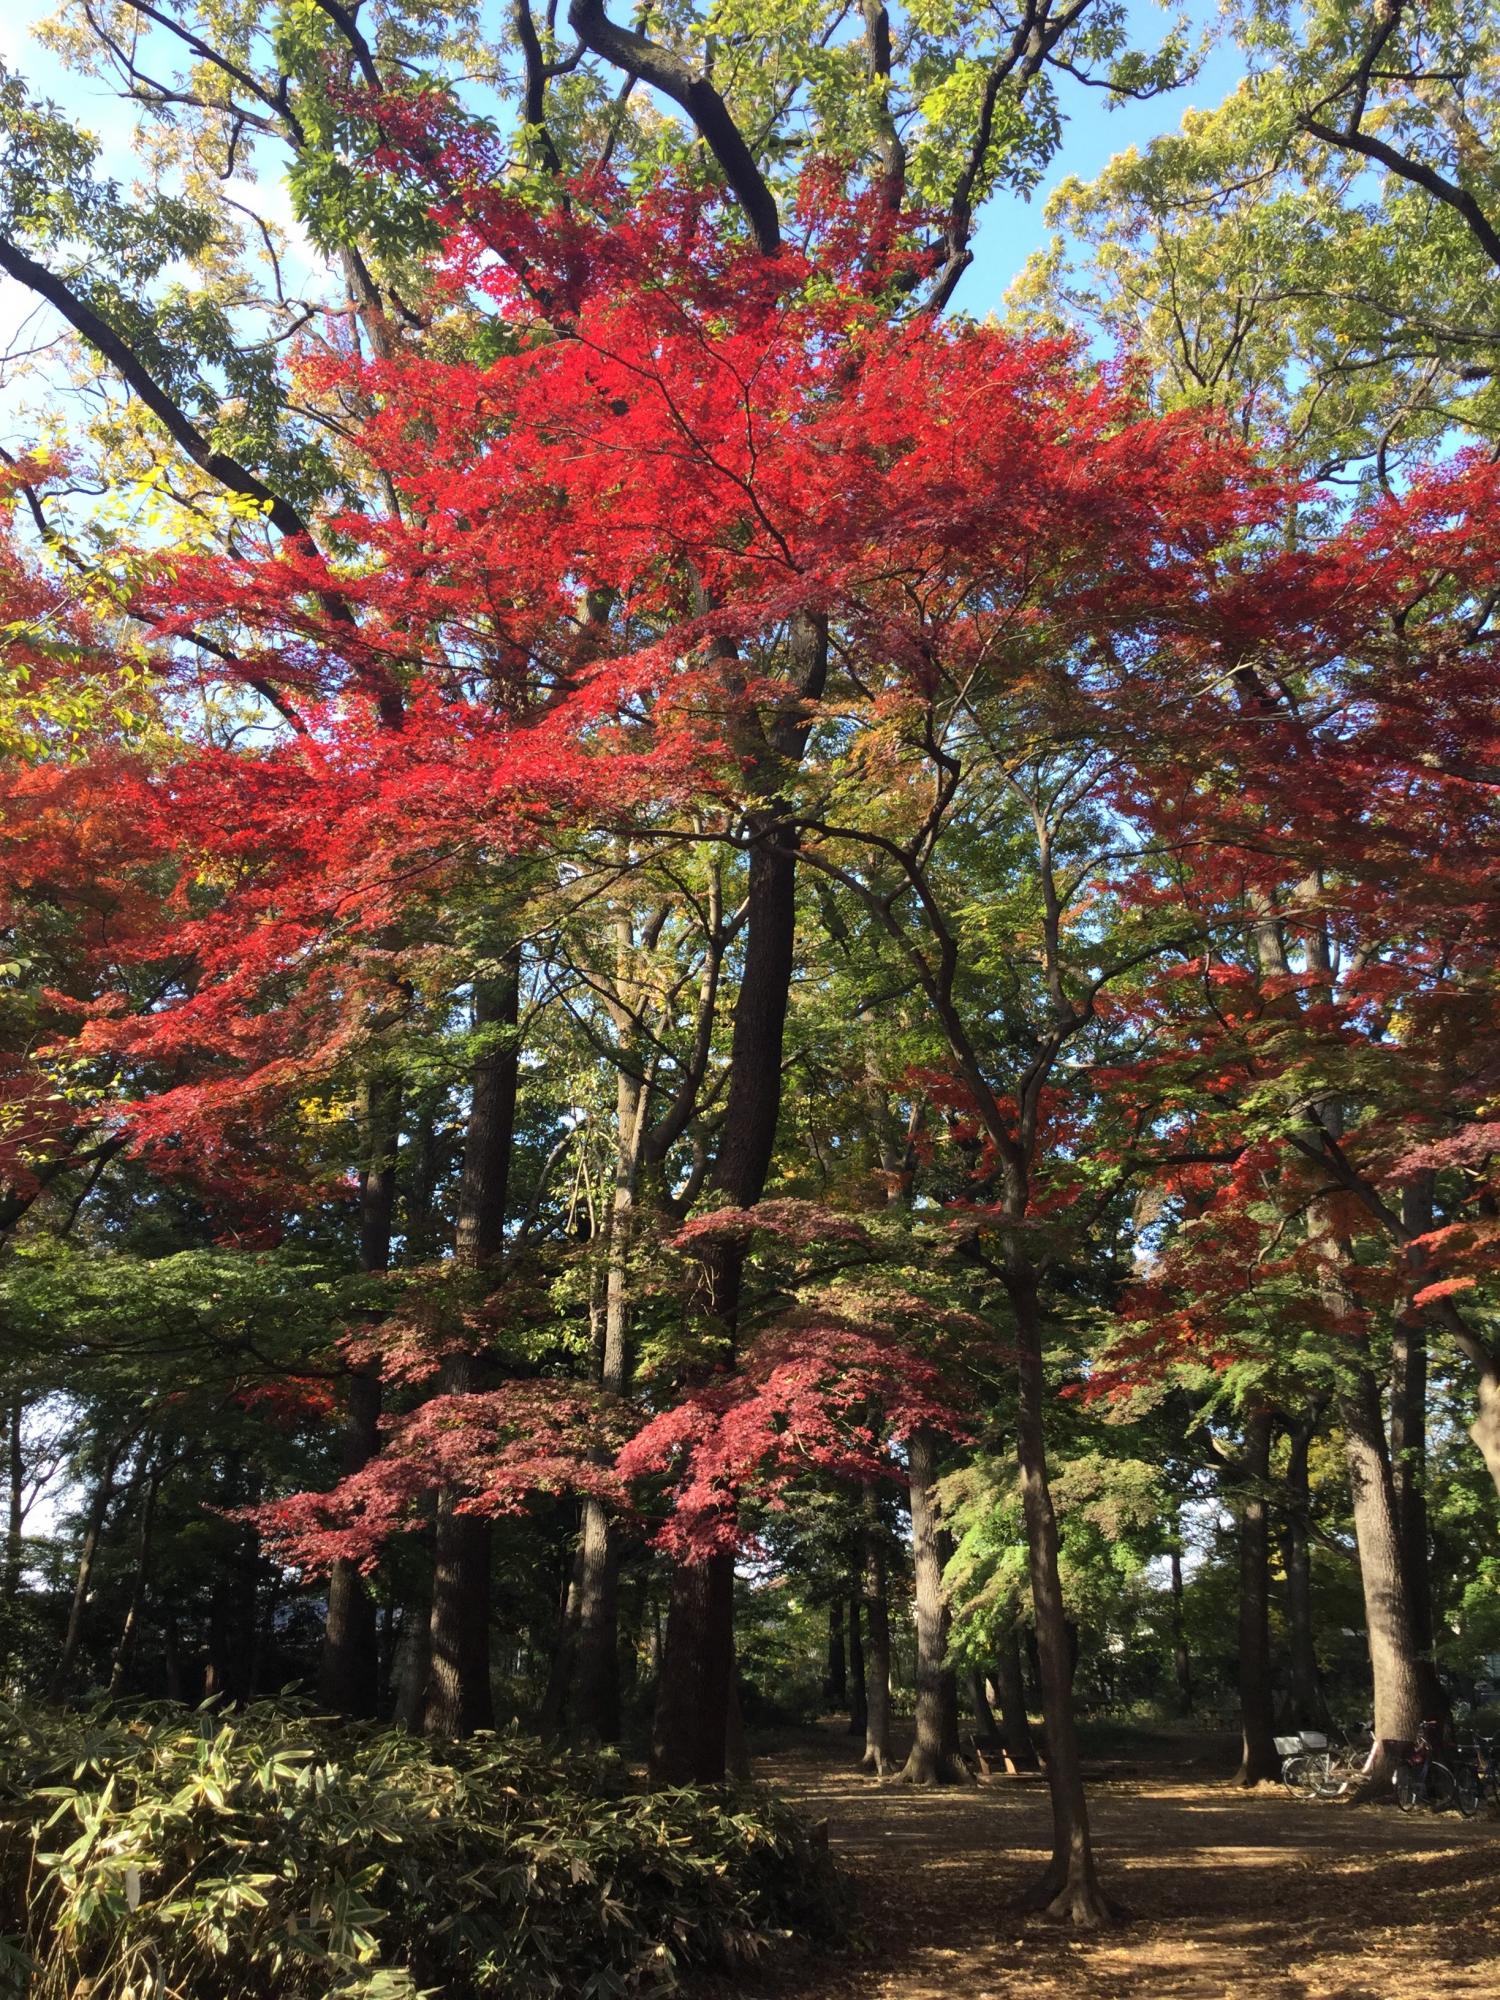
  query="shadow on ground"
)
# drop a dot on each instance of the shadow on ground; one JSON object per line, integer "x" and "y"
{"x": 1232, "y": 1893}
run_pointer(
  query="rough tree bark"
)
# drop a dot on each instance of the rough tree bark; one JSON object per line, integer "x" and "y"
{"x": 1259, "y": 1762}
{"x": 934, "y": 1758}
{"x": 1393, "y": 1655}
{"x": 1309, "y": 1709}
{"x": 1010, "y": 1687}
{"x": 561, "y": 1668}
{"x": 858, "y": 1711}
{"x": 986, "y": 1729}
{"x": 692, "y": 1710}
{"x": 596, "y": 1654}
{"x": 231, "y": 1645}
{"x": 1409, "y": 1460}
{"x": 93, "y": 1531}
{"x": 646, "y": 1130}
{"x": 126, "y": 1640}
{"x": 877, "y": 1645}
{"x": 458, "y": 1690}
{"x": 411, "y": 1668}
{"x": 836, "y": 1676}
{"x": 349, "y": 1665}
{"x": 1393, "y": 1652}
{"x": 598, "y": 1691}
{"x": 1182, "y": 1665}
{"x": 1485, "y": 1429}
{"x": 1409, "y": 1470}
{"x": 689, "y": 1742}
{"x": 1069, "y": 1887}
{"x": 1394, "y": 1664}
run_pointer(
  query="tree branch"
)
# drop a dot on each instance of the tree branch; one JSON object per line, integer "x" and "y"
{"x": 1459, "y": 199}
{"x": 668, "y": 73}
{"x": 102, "y": 337}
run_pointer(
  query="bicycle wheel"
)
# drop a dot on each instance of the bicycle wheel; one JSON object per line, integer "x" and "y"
{"x": 1334, "y": 1776}
{"x": 1299, "y": 1775}
{"x": 1408, "y": 1788}
{"x": 1349, "y": 1768}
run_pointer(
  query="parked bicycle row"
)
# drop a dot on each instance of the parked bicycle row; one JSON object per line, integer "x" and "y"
{"x": 1437, "y": 1770}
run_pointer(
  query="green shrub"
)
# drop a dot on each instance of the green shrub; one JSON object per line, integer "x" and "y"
{"x": 269, "y": 1855}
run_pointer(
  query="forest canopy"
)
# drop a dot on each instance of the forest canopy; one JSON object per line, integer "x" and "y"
{"x": 731, "y": 992}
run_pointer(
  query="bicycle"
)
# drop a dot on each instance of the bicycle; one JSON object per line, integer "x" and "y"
{"x": 1352, "y": 1763}
{"x": 1307, "y": 1764}
{"x": 1422, "y": 1779}
{"x": 1480, "y": 1763}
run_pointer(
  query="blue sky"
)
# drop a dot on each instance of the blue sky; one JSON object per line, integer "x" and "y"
{"x": 1011, "y": 229}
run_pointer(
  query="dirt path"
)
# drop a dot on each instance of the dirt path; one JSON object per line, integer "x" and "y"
{"x": 1232, "y": 1895}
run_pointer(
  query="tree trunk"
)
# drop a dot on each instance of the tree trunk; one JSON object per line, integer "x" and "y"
{"x": 423, "y": 1160}
{"x": 633, "y": 1626}
{"x": 597, "y": 1690}
{"x": 1393, "y": 1653}
{"x": 1409, "y": 1471}
{"x": 484, "y": 1188}
{"x": 126, "y": 1639}
{"x": 933, "y": 1759}
{"x": 1485, "y": 1429}
{"x": 1409, "y": 1460}
{"x": 877, "y": 1646}
{"x": 598, "y": 1704}
{"x": 220, "y": 1662}
{"x": 653, "y": 1636}
{"x": 231, "y": 1603}
{"x": 1182, "y": 1666}
{"x": 1032, "y": 1668}
{"x": 15, "y": 1517}
{"x": 1409, "y": 1429}
{"x": 1069, "y": 1888}
{"x": 1394, "y": 1664}
{"x": 1310, "y": 1710}
{"x": 459, "y": 1699}
{"x": 412, "y": 1668}
{"x": 1259, "y": 1762}
{"x": 858, "y": 1712}
{"x": 953, "y": 1751}
{"x": 690, "y": 1731}
{"x": 349, "y": 1664}
{"x": 562, "y": 1671}
{"x": 99, "y": 1501}
{"x": 1010, "y": 1687}
{"x": 458, "y": 1689}
{"x": 752, "y": 1110}
{"x": 836, "y": 1679}
{"x": 986, "y": 1729}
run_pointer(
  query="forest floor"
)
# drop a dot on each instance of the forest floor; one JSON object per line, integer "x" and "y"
{"x": 1231, "y": 1893}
